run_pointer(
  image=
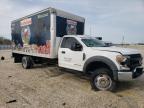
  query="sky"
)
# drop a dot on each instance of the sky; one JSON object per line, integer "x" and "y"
{"x": 110, "y": 19}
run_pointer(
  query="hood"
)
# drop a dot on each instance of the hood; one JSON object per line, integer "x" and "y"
{"x": 124, "y": 51}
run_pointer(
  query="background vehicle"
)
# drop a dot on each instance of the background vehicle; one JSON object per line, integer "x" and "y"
{"x": 53, "y": 35}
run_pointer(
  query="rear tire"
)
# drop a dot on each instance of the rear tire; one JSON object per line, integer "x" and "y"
{"x": 27, "y": 62}
{"x": 102, "y": 79}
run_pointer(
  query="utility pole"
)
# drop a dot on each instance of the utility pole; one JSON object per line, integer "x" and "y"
{"x": 123, "y": 40}
{"x": 90, "y": 30}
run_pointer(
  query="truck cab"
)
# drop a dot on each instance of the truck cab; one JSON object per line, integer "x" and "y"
{"x": 105, "y": 64}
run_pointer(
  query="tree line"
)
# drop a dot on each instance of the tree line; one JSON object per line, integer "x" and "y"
{"x": 4, "y": 41}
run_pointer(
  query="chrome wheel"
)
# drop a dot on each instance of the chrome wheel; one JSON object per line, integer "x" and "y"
{"x": 103, "y": 82}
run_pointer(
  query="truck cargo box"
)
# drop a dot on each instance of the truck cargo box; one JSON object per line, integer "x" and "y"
{"x": 39, "y": 34}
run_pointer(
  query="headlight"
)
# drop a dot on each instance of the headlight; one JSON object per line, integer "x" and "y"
{"x": 120, "y": 59}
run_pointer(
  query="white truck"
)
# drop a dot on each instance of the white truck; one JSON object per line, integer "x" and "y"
{"x": 52, "y": 35}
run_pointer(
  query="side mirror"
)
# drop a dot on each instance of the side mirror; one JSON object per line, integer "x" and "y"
{"x": 76, "y": 47}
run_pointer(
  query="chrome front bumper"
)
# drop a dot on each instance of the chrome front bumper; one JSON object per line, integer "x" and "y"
{"x": 126, "y": 75}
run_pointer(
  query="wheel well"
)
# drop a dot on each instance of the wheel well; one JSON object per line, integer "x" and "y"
{"x": 17, "y": 57}
{"x": 96, "y": 65}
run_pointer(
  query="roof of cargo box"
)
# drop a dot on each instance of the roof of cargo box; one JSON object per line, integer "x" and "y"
{"x": 58, "y": 13}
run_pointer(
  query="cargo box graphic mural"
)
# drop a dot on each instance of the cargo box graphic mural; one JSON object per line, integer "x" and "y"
{"x": 66, "y": 26}
{"x": 71, "y": 27}
{"x": 32, "y": 34}
{"x": 25, "y": 31}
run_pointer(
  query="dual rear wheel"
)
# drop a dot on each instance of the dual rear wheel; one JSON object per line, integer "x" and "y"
{"x": 27, "y": 62}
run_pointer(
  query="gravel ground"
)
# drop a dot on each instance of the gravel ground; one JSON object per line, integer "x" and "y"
{"x": 48, "y": 87}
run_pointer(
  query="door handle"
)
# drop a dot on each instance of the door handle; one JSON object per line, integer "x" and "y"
{"x": 63, "y": 52}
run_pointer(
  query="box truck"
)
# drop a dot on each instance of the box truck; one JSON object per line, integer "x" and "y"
{"x": 52, "y": 35}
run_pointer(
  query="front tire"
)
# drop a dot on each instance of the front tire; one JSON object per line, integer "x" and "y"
{"x": 102, "y": 79}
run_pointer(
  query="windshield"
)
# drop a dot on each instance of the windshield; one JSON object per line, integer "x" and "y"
{"x": 92, "y": 42}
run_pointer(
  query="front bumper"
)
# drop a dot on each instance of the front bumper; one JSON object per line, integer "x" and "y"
{"x": 125, "y": 75}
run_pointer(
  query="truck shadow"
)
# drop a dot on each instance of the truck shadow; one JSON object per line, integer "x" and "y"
{"x": 54, "y": 69}
{"x": 124, "y": 85}
{"x": 133, "y": 84}
{"x": 79, "y": 75}
{"x": 44, "y": 65}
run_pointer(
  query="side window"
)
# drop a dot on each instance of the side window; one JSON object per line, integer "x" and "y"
{"x": 68, "y": 41}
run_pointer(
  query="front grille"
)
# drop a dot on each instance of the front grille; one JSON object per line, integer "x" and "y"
{"x": 134, "y": 61}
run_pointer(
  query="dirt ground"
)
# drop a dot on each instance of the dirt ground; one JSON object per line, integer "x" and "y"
{"x": 48, "y": 87}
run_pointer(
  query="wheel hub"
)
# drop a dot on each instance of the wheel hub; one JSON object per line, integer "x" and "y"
{"x": 103, "y": 82}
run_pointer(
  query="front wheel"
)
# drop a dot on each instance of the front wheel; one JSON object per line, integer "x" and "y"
{"x": 102, "y": 80}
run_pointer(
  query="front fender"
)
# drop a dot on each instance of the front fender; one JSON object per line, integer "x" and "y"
{"x": 105, "y": 60}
